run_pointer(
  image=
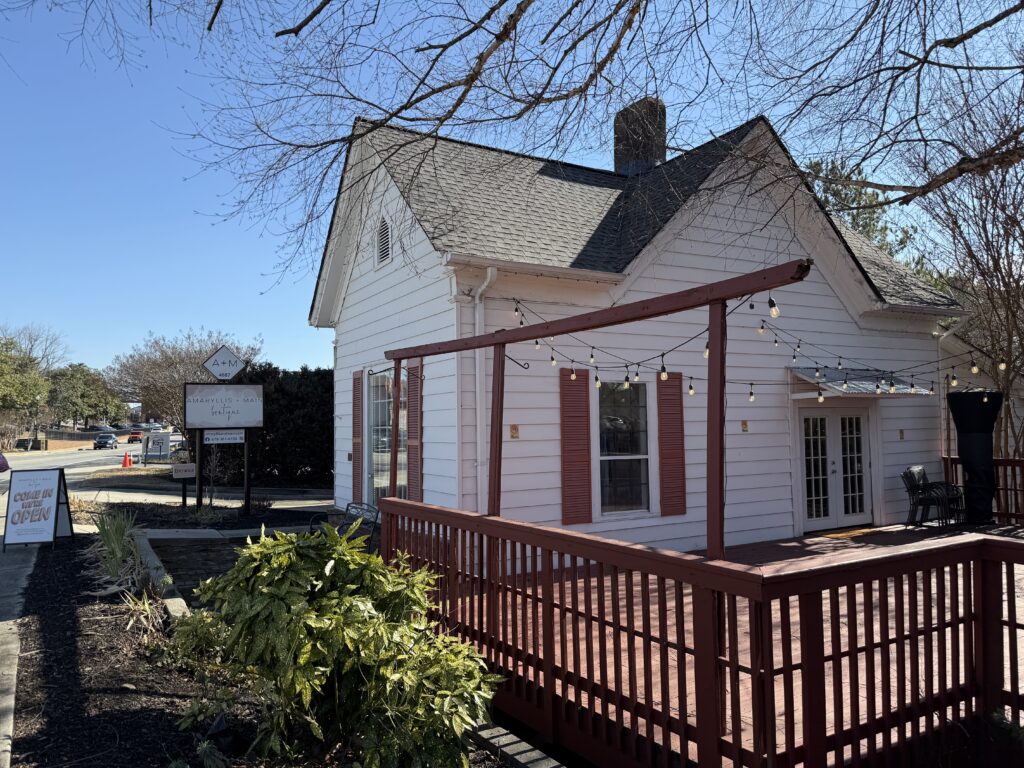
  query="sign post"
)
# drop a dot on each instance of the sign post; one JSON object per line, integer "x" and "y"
{"x": 37, "y": 507}
{"x": 183, "y": 472}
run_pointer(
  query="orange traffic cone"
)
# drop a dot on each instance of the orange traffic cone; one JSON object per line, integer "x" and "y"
{"x": 126, "y": 461}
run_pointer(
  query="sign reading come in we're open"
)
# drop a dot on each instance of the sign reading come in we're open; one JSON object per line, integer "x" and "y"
{"x": 37, "y": 507}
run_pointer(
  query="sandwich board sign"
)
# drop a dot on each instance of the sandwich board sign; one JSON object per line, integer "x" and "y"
{"x": 224, "y": 364}
{"x": 37, "y": 507}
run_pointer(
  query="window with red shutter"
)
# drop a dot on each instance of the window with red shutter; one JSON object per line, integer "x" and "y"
{"x": 575, "y": 434}
{"x": 671, "y": 453}
{"x": 357, "y": 436}
{"x": 414, "y": 430}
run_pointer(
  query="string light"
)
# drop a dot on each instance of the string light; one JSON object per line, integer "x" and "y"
{"x": 846, "y": 384}
{"x": 663, "y": 375}
{"x": 591, "y": 355}
{"x": 760, "y": 331}
{"x": 954, "y": 382}
{"x": 839, "y": 365}
{"x": 751, "y": 305}
{"x": 536, "y": 343}
{"x": 913, "y": 389}
{"x": 572, "y": 376}
{"x": 931, "y": 388}
{"x": 892, "y": 384}
{"x": 794, "y": 358}
{"x": 691, "y": 390}
{"x": 974, "y": 365}
{"x": 821, "y": 396}
{"x": 553, "y": 361}
{"x": 773, "y": 308}
{"x": 636, "y": 376}
{"x": 625, "y": 381}
{"x": 878, "y": 387}
{"x": 1002, "y": 365}
{"x": 516, "y": 310}
{"x": 751, "y": 397}
{"x": 521, "y": 322}
{"x": 984, "y": 398}
{"x": 707, "y": 350}
{"x": 776, "y": 342}
{"x": 597, "y": 381}
{"x": 817, "y": 371}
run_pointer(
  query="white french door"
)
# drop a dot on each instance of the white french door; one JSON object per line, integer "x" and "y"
{"x": 836, "y": 468}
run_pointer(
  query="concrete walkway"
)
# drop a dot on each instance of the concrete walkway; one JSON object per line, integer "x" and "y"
{"x": 15, "y": 566}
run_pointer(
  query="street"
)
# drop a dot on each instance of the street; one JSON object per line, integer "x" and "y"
{"x": 68, "y": 459}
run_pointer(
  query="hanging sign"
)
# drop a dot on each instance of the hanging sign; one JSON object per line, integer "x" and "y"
{"x": 223, "y": 436}
{"x": 37, "y": 507}
{"x": 223, "y": 406}
{"x": 224, "y": 364}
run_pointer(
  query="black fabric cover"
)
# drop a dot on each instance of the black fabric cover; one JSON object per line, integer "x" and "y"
{"x": 975, "y": 421}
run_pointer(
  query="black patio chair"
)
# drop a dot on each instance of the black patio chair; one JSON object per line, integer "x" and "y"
{"x": 367, "y": 515}
{"x": 946, "y": 498}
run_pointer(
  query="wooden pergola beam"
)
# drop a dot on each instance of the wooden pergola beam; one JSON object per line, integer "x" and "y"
{"x": 669, "y": 303}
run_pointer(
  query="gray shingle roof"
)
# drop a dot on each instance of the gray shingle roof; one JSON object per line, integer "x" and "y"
{"x": 895, "y": 283}
{"x": 482, "y": 201}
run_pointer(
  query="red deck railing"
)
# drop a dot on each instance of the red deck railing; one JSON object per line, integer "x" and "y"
{"x": 1009, "y": 499}
{"x": 631, "y": 656}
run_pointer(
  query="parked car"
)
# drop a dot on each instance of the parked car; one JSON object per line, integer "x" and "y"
{"x": 105, "y": 440}
{"x": 96, "y": 428}
{"x": 117, "y": 425}
{"x": 135, "y": 436}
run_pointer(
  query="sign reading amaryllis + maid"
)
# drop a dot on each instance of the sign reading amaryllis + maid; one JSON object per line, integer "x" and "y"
{"x": 37, "y": 507}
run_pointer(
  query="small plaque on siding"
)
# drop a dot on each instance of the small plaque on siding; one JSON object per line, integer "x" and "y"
{"x": 513, "y": 431}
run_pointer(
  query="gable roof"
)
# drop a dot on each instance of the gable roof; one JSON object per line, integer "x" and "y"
{"x": 476, "y": 200}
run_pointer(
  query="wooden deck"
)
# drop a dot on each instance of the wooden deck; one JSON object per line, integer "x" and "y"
{"x": 855, "y": 646}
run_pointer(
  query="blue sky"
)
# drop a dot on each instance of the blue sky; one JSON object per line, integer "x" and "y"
{"x": 106, "y": 229}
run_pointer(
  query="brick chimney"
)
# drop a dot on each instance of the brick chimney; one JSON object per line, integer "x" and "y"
{"x": 640, "y": 136}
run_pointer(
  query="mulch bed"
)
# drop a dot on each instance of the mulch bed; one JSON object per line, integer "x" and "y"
{"x": 221, "y": 519}
{"x": 190, "y": 561}
{"x": 90, "y": 693}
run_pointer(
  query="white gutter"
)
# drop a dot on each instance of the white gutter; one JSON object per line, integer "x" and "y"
{"x": 480, "y": 377}
{"x": 536, "y": 270}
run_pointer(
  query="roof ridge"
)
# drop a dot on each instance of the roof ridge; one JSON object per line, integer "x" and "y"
{"x": 526, "y": 156}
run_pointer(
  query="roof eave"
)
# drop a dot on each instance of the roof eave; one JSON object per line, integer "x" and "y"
{"x": 886, "y": 307}
{"x": 537, "y": 270}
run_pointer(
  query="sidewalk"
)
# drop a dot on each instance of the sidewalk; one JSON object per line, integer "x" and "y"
{"x": 15, "y": 566}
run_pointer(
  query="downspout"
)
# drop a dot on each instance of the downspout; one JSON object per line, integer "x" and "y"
{"x": 480, "y": 377}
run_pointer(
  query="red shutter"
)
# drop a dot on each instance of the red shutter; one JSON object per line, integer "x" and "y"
{"x": 357, "y": 436}
{"x": 414, "y": 430}
{"x": 575, "y": 433}
{"x": 671, "y": 454}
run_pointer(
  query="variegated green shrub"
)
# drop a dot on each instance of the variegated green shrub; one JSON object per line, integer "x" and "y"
{"x": 338, "y": 647}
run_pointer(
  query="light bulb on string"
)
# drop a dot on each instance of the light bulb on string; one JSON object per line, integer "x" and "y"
{"x": 821, "y": 396}
{"x": 798, "y": 345}
{"x": 817, "y": 371}
{"x": 597, "y": 381}
{"x": 773, "y": 308}
{"x": 521, "y": 322}
{"x": 931, "y": 388}
{"x": 663, "y": 374}
{"x": 1002, "y": 365}
{"x": 794, "y": 358}
{"x": 984, "y": 398}
{"x": 691, "y": 390}
{"x": 572, "y": 375}
{"x": 954, "y": 382}
{"x": 707, "y": 350}
{"x": 760, "y": 331}
{"x": 516, "y": 310}
{"x": 974, "y": 365}
{"x": 913, "y": 389}
{"x": 591, "y": 355}
{"x": 839, "y": 365}
{"x": 536, "y": 343}
{"x": 846, "y": 385}
{"x": 750, "y": 397}
{"x": 553, "y": 361}
{"x": 878, "y": 387}
{"x": 751, "y": 305}
{"x": 636, "y": 376}
{"x": 892, "y": 384}
{"x": 776, "y": 342}
{"x": 625, "y": 381}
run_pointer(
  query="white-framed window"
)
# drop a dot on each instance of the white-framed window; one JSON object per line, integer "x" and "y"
{"x": 624, "y": 450}
{"x": 383, "y": 241}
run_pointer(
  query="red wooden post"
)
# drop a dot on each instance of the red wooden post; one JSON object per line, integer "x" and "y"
{"x": 988, "y": 636}
{"x": 396, "y": 407}
{"x": 812, "y": 679}
{"x": 707, "y": 675}
{"x": 716, "y": 430}
{"x": 552, "y": 704}
{"x": 497, "y": 417}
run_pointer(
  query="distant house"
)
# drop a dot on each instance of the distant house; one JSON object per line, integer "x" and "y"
{"x": 434, "y": 238}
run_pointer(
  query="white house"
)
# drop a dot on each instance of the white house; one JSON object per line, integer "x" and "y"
{"x": 435, "y": 238}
